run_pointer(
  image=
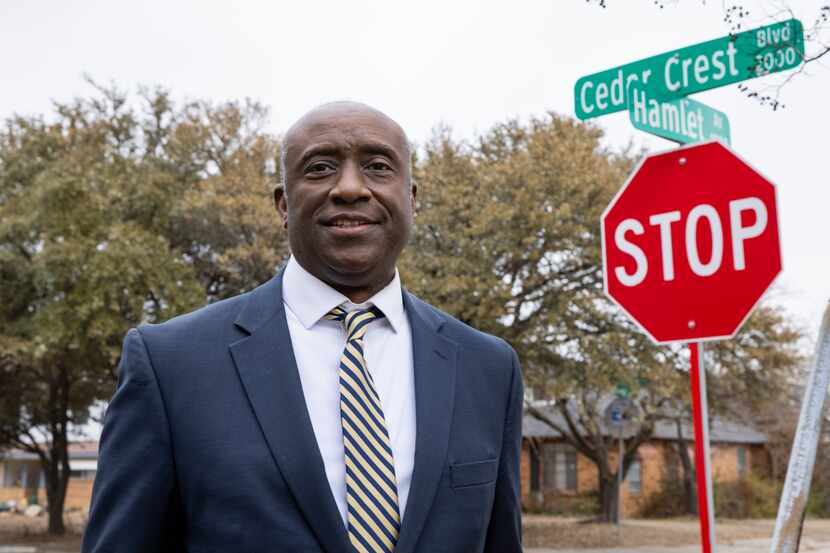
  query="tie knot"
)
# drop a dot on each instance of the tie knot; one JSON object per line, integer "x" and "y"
{"x": 355, "y": 321}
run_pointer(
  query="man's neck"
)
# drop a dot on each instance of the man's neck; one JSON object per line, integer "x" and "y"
{"x": 357, "y": 294}
{"x": 360, "y": 294}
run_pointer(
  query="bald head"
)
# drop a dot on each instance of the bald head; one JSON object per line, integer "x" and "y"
{"x": 348, "y": 199}
{"x": 327, "y": 115}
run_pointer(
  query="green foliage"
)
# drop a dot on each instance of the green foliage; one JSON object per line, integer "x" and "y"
{"x": 819, "y": 503}
{"x": 507, "y": 240}
{"x": 668, "y": 500}
{"x": 77, "y": 269}
{"x": 116, "y": 211}
{"x": 749, "y": 497}
{"x": 753, "y": 370}
{"x": 586, "y": 505}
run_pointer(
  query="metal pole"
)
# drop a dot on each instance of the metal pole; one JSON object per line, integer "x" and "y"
{"x": 620, "y": 480}
{"x": 790, "y": 521}
{"x": 703, "y": 457}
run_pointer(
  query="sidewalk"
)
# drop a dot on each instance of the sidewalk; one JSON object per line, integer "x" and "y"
{"x": 739, "y": 546}
{"x": 34, "y": 549}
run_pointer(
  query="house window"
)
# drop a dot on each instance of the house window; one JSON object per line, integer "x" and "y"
{"x": 741, "y": 461}
{"x": 635, "y": 477}
{"x": 82, "y": 474}
{"x": 559, "y": 467}
{"x": 534, "y": 470}
{"x": 14, "y": 474}
{"x": 8, "y": 476}
{"x": 570, "y": 470}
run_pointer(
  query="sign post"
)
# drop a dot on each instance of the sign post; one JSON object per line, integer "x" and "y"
{"x": 705, "y": 501}
{"x": 620, "y": 478}
{"x": 621, "y": 414}
{"x": 787, "y": 534}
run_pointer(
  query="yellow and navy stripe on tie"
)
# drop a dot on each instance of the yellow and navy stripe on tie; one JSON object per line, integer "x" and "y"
{"x": 371, "y": 488}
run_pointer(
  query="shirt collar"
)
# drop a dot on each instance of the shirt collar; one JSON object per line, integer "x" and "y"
{"x": 309, "y": 298}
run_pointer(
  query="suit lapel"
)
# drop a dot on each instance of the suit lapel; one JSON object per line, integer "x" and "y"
{"x": 435, "y": 359}
{"x": 268, "y": 371}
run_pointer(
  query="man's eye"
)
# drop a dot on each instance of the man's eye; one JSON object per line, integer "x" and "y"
{"x": 378, "y": 166}
{"x": 319, "y": 167}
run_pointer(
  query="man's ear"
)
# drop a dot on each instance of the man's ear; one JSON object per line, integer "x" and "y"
{"x": 413, "y": 193}
{"x": 281, "y": 204}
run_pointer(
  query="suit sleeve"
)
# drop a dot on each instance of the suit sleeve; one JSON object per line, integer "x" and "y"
{"x": 504, "y": 535}
{"x": 134, "y": 506}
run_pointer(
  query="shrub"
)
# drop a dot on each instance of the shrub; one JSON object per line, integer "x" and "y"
{"x": 566, "y": 505}
{"x": 819, "y": 503}
{"x": 749, "y": 497}
{"x": 667, "y": 501}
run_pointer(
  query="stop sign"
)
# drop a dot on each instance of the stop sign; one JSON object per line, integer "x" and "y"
{"x": 690, "y": 243}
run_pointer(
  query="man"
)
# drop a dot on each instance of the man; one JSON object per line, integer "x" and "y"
{"x": 328, "y": 409}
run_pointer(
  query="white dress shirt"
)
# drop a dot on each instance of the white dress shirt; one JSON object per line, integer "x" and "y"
{"x": 318, "y": 344}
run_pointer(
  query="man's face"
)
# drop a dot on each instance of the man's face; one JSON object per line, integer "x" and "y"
{"x": 347, "y": 203}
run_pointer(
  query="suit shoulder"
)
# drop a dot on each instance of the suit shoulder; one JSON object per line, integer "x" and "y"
{"x": 464, "y": 334}
{"x": 206, "y": 320}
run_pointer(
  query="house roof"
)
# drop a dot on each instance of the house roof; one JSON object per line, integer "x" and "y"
{"x": 720, "y": 430}
{"x": 77, "y": 450}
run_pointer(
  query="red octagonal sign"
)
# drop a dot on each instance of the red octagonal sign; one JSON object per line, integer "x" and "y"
{"x": 690, "y": 243}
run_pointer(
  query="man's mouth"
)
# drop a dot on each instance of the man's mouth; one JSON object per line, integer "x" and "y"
{"x": 348, "y": 224}
{"x": 348, "y": 221}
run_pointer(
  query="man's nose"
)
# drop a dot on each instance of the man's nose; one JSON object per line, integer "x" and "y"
{"x": 351, "y": 186}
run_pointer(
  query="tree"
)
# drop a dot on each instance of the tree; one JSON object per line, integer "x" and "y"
{"x": 749, "y": 378}
{"x": 507, "y": 240}
{"x": 226, "y": 223}
{"x": 111, "y": 216}
{"x": 75, "y": 274}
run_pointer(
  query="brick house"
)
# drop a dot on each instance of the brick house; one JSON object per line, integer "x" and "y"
{"x": 21, "y": 475}
{"x": 555, "y": 477}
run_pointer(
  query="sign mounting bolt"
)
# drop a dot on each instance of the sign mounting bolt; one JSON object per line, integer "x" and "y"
{"x": 692, "y": 324}
{"x": 682, "y": 161}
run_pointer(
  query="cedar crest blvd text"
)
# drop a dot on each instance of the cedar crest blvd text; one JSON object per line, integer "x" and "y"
{"x": 692, "y": 70}
{"x": 699, "y": 68}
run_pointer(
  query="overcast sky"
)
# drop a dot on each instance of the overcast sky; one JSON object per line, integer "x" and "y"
{"x": 467, "y": 64}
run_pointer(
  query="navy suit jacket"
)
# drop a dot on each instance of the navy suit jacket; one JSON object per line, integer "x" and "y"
{"x": 207, "y": 444}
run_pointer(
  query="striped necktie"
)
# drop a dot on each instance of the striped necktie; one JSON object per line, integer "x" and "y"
{"x": 371, "y": 488}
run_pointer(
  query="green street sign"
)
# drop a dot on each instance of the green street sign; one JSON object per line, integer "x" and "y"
{"x": 684, "y": 120}
{"x": 678, "y": 73}
{"x": 622, "y": 390}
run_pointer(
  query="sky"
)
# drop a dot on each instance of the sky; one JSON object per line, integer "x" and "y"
{"x": 466, "y": 64}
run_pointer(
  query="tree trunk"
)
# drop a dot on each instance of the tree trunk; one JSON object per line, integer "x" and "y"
{"x": 57, "y": 474}
{"x": 689, "y": 477}
{"x": 57, "y": 481}
{"x": 608, "y": 497}
{"x": 56, "y": 526}
{"x": 773, "y": 464}
{"x": 594, "y": 446}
